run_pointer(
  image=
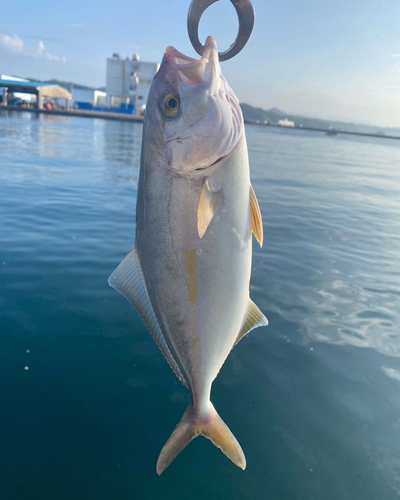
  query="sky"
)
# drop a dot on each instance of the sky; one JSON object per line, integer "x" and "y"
{"x": 330, "y": 59}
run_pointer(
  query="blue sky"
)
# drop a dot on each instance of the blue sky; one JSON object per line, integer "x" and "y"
{"x": 325, "y": 58}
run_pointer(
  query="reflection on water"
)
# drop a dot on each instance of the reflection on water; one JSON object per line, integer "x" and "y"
{"x": 313, "y": 399}
{"x": 342, "y": 210}
{"x": 121, "y": 146}
{"x": 122, "y": 141}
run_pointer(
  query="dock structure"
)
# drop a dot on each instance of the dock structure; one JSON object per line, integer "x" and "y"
{"x": 40, "y": 89}
{"x": 326, "y": 131}
{"x": 83, "y": 113}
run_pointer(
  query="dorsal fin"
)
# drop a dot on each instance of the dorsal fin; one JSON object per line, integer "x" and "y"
{"x": 128, "y": 280}
{"x": 209, "y": 203}
{"x": 252, "y": 319}
{"x": 256, "y": 218}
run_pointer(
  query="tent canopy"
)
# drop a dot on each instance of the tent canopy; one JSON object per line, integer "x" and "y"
{"x": 45, "y": 89}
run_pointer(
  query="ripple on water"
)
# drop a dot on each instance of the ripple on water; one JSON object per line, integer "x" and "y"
{"x": 312, "y": 398}
{"x": 332, "y": 241}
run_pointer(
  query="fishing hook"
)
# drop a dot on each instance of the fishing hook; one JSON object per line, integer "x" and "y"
{"x": 245, "y": 12}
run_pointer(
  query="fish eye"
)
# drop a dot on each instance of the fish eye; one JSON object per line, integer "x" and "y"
{"x": 171, "y": 104}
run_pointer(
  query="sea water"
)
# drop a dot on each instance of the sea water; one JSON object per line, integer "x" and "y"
{"x": 86, "y": 399}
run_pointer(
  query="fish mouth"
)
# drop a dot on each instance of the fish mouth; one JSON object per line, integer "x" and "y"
{"x": 192, "y": 71}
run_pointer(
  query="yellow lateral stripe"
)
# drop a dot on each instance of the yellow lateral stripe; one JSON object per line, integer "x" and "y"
{"x": 191, "y": 270}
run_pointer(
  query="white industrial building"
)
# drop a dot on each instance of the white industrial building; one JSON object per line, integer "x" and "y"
{"x": 128, "y": 81}
{"x": 89, "y": 96}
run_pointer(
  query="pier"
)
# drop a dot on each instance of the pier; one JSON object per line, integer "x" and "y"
{"x": 83, "y": 113}
{"x": 326, "y": 131}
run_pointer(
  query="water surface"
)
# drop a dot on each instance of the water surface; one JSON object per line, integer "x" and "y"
{"x": 314, "y": 398}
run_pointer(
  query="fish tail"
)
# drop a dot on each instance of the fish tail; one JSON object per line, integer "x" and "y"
{"x": 210, "y": 426}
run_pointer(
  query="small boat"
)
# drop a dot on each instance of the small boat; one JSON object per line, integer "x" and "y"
{"x": 331, "y": 132}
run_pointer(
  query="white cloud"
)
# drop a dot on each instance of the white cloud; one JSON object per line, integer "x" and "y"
{"x": 15, "y": 44}
{"x": 47, "y": 55}
{"x": 50, "y": 57}
{"x": 394, "y": 55}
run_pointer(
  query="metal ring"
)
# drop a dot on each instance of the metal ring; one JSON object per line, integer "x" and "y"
{"x": 245, "y": 12}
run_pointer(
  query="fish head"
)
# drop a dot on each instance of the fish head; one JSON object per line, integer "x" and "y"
{"x": 198, "y": 115}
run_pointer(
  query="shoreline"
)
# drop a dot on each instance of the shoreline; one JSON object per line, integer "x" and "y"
{"x": 105, "y": 115}
{"x": 326, "y": 131}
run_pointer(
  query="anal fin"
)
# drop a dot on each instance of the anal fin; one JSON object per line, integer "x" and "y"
{"x": 256, "y": 218}
{"x": 129, "y": 281}
{"x": 252, "y": 319}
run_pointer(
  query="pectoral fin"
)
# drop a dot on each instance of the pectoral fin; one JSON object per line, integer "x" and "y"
{"x": 256, "y": 219}
{"x": 209, "y": 203}
{"x": 129, "y": 281}
{"x": 252, "y": 319}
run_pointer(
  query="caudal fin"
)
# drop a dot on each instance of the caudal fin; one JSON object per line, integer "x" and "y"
{"x": 212, "y": 427}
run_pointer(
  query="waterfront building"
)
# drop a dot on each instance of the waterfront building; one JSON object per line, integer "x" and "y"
{"x": 40, "y": 90}
{"x": 128, "y": 81}
{"x": 88, "y": 98}
{"x": 15, "y": 79}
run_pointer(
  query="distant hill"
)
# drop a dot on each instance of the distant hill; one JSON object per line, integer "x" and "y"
{"x": 273, "y": 115}
{"x": 67, "y": 85}
{"x": 258, "y": 114}
{"x": 276, "y": 111}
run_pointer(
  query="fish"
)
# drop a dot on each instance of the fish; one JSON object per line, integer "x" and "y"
{"x": 188, "y": 274}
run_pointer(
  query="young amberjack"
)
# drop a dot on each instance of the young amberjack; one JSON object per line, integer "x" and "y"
{"x": 189, "y": 272}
